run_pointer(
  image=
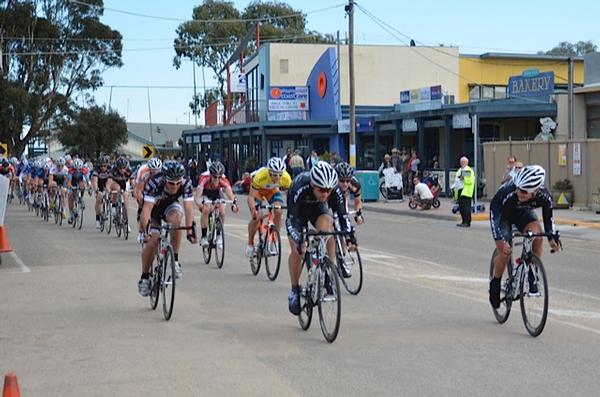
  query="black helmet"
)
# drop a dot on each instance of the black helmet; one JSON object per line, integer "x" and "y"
{"x": 105, "y": 160}
{"x": 344, "y": 170}
{"x": 216, "y": 169}
{"x": 172, "y": 170}
{"x": 5, "y": 163}
{"x": 122, "y": 162}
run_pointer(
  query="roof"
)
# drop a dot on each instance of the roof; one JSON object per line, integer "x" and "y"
{"x": 588, "y": 89}
{"x": 509, "y": 55}
{"x": 160, "y": 131}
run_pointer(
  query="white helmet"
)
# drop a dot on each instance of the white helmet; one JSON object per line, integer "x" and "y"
{"x": 275, "y": 164}
{"x": 77, "y": 163}
{"x": 323, "y": 175}
{"x": 530, "y": 178}
{"x": 155, "y": 164}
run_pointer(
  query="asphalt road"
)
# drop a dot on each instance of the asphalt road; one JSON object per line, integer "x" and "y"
{"x": 72, "y": 323}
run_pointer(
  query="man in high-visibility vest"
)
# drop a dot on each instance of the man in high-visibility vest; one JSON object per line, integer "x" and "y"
{"x": 464, "y": 187}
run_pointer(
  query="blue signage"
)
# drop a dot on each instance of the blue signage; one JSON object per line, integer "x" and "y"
{"x": 531, "y": 85}
{"x": 425, "y": 94}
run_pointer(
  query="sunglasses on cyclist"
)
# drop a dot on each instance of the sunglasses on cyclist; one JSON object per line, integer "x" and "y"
{"x": 345, "y": 180}
{"x": 174, "y": 183}
{"x": 274, "y": 175}
{"x": 324, "y": 190}
{"x": 525, "y": 191}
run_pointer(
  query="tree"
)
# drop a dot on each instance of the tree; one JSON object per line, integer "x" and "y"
{"x": 211, "y": 44}
{"x": 51, "y": 51}
{"x": 91, "y": 131}
{"x": 565, "y": 48}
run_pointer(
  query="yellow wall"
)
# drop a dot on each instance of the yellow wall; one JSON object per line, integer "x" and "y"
{"x": 381, "y": 71}
{"x": 496, "y": 71}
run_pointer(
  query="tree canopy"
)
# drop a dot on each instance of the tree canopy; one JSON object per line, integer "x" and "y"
{"x": 566, "y": 48}
{"x": 217, "y": 28}
{"x": 51, "y": 51}
{"x": 91, "y": 131}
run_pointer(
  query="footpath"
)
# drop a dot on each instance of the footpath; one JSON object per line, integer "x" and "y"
{"x": 571, "y": 217}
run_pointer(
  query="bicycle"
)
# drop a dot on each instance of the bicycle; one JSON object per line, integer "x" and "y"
{"x": 269, "y": 242}
{"x": 78, "y": 207}
{"x": 120, "y": 219}
{"x": 58, "y": 206}
{"x": 106, "y": 217}
{"x": 215, "y": 234}
{"x": 351, "y": 259}
{"x": 319, "y": 285}
{"x": 162, "y": 270}
{"x": 526, "y": 282}
{"x": 45, "y": 205}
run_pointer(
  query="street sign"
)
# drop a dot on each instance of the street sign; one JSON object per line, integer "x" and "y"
{"x": 3, "y": 149}
{"x": 147, "y": 151}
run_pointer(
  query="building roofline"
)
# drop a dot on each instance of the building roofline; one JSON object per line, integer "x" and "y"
{"x": 511, "y": 55}
{"x": 588, "y": 89}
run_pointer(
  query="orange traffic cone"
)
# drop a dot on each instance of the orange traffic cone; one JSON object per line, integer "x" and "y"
{"x": 4, "y": 244}
{"x": 11, "y": 387}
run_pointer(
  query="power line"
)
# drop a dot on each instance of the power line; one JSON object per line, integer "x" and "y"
{"x": 137, "y": 14}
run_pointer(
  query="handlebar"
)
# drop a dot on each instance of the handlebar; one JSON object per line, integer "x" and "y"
{"x": 270, "y": 206}
{"x": 219, "y": 201}
{"x": 529, "y": 235}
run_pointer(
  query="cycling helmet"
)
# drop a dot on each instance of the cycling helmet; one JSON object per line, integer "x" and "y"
{"x": 122, "y": 162}
{"x": 60, "y": 161}
{"x": 104, "y": 160}
{"x": 530, "y": 178}
{"x": 323, "y": 175}
{"x": 344, "y": 170}
{"x": 14, "y": 160}
{"x": 5, "y": 163}
{"x": 77, "y": 164}
{"x": 216, "y": 169}
{"x": 172, "y": 170}
{"x": 155, "y": 164}
{"x": 275, "y": 164}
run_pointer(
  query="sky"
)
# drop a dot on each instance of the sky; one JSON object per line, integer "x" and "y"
{"x": 474, "y": 26}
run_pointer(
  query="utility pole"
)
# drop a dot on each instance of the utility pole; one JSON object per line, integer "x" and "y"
{"x": 570, "y": 101}
{"x": 350, "y": 10}
{"x": 196, "y": 99}
{"x": 150, "y": 117}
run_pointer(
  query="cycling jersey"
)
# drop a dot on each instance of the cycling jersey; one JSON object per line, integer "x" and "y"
{"x": 77, "y": 176}
{"x": 507, "y": 210}
{"x": 102, "y": 176}
{"x": 210, "y": 190}
{"x": 303, "y": 206}
{"x": 262, "y": 181}
{"x": 120, "y": 176}
{"x": 155, "y": 193}
{"x": 59, "y": 174}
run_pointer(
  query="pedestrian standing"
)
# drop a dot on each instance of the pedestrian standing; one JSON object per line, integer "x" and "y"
{"x": 464, "y": 187}
{"x": 296, "y": 163}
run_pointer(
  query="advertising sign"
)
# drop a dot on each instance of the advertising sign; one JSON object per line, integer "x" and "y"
{"x": 577, "y": 159}
{"x": 424, "y": 94}
{"x": 409, "y": 125}
{"x": 238, "y": 82}
{"x": 531, "y": 85}
{"x": 287, "y": 98}
{"x": 562, "y": 154}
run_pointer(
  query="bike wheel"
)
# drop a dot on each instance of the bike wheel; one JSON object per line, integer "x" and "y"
{"x": 260, "y": 250}
{"x": 383, "y": 190}
{"x": 155, "y": 280}
{"x": 436, "y": 203}
{"x": 352, "y": 284}
{"x": 534, "y": 297}
{"x": 272, "y": 250}
{"x": 118, "y": 220}
{"x": 503, "y": 311}
{"x": 329, "y": 300}
{"x": 109, "y": 217}
{"x": 306, "y": 292}
{"x": 125, "y": 225}
{"x": 79, "y": 218}
{"x": 168, "y": 282}
{"x": 219, "y": 243}
{"x": 412, "y": 204}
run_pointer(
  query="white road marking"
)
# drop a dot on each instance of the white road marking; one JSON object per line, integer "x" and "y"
{"x": 478, "y": 280}
{"x": 575, "y": 313}
{"x": 23, "y": 268}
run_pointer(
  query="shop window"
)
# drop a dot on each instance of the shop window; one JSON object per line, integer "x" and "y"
{"x": 284, "y": 66}
{"x": 475, "y": 94}
{"x": 499, "y": 92}
{"x": 487, "y": 92}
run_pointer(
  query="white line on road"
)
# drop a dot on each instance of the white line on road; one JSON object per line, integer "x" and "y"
{"x": 19, "y": 262}
{"x": 478, "y": 280}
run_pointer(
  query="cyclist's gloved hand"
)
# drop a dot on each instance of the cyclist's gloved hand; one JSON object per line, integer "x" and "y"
{"x": 358, "y": 218}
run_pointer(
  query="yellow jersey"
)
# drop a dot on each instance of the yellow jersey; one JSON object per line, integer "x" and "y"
{"x": 262, "y": 181}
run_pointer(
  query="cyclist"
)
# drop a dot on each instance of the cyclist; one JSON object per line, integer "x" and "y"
{"x": 100, "y": 176}
{"x": 118, "y": 177}
{"x": 58, "y": 180}
{"x": 78, "y": 178}
{"x": 161, "y": 196}
{"x": 513, "y": 204}
{"x": 310, "y": 198}
{"x": 349, "y": 184}
{"x": 143, "y": 173}
{"x": 209, "y": 188}
{"x": 267, "y": 183}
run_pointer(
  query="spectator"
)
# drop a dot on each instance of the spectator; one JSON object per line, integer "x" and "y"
{"x": 312, "y": 160}
{"x": 286, "y": 159}
{"x": 296, "y": 163}
{"x": 334, "y": 159}
{"x": 387, "y": 163}
{"x": 509, "y": 172}
{"x": 463, "y": 191}
{"x": 422, "y": 193}
{"x": 412, "y": 168}
{"x": 396, "y": 160}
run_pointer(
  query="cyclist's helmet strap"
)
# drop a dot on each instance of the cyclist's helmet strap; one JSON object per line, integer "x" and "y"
{"x": 323, "y": 175}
